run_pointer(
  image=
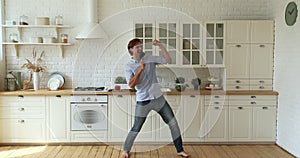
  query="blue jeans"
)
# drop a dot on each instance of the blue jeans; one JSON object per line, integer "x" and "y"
{"x": 161, "y": 106}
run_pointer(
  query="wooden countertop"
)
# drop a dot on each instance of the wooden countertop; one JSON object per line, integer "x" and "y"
{"x": 48, "y": 92}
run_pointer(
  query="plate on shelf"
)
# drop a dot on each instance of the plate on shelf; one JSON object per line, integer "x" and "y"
{"x": 59, "y": 77}
{"x": 213, "y": 88}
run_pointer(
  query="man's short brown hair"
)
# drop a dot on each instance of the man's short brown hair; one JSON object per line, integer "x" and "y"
{"x": 133, "y": 43}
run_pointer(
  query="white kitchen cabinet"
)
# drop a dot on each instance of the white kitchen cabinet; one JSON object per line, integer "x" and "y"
{"x": 215, "y": 44}
{"x": 216, "y": 118}
{"x": 238, "y": 31}
{"x": 120, "y": 115}
{"x": 147, "y": 133}
{"x": 192, "y": 45}
{"x": 261, "y": 61}
{"x": 262, "y": 31}
{"x": 163, "y": 133}
{"x": 237, "y": 61}
{"x": 145, "y": 31}
{"x": 192, "y": 119}
{"x": 22, "y": 118}
{"x": 240, "y": 123}
{"x": 58, "y": 118}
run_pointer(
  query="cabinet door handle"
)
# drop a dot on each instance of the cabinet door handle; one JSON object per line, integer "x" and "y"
{"x": 21, "y": 121}
{"x": 217, "y": 96}
{"x": 217, "y": 108}
{"x": 264, "y": 107}
{"x": 192, "y": 96}
{"x": 253, "y": 102}
{"x": 58, "y": 96}
{"x": 120, "y": 96}
{"x": 240, "y": 107}
{"x": 237, "y": 87}
{"x": 238, "y": 81}
{"x": 261, "y": 45}
{"x": 253, "y": 96}
{"x": 261, "y": 81}
{"x": 261, "y": 87}
{"x": 238, "y": 45}
{"x": 216, "y": 102}
{"x": 21, "y": 109}
{"x": 20, "y": 96}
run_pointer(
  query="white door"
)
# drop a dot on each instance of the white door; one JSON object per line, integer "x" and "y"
{"x": 240, "y": 123}
{"x": 237, "y": 31}
{"x": 216, "y": 124}
{"x": 261, "y": 65}
{"x": 58, "y": 119}
{"x": 119, "y": 117}
{"x": 237, "y": 61}
{"x": 262, "y": 31}
{"x": 264, "y": 123}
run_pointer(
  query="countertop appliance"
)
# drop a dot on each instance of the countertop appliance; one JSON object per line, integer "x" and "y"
{"x": 88, "y": 112}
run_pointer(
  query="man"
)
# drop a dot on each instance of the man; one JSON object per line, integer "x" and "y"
{"x": 140, "y": 74}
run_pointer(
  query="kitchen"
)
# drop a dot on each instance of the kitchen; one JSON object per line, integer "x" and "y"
{"x": 97, "y": 62}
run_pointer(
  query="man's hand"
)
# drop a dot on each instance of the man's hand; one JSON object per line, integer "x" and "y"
{"x": 156, "y": 42}
{"x": 142, "y": 65}
{"x": 164, "y": 50}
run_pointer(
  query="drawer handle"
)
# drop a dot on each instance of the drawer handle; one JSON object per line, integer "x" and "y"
{"x": 216, "y": 102}
{"x": 192, "y": 96}
{"x": 237, "y": 87}
{"x": 261, "y": 81}
{"x": 217, "y": 108}
{"x": 20, "y": 96}
{"x": 253, "y": 96}
{"x": 238, "y": 81}
{"x": 217, "y": 96}
{"x": 253, "y": 102}
{"x": 58, "y": 96}
{"x": 240, "y": 108}
{"x": 261, "y": 45}
{"x": 21, "y": 121}
{"x": 238, "y": 45}
{"x": 261, "y": 87}
{"x": 120, "y": 96}
{"x": 21, "y": 109}
{"x": 264, "y": 107}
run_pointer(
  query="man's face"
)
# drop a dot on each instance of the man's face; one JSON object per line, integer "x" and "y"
{"x": 136, "y": 50}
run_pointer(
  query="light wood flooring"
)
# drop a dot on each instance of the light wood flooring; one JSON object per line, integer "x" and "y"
{"x": 151, "y": 151}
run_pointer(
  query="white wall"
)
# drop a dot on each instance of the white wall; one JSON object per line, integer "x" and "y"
{"x": 79, "y": 60}
{"x": 287, "y": 75}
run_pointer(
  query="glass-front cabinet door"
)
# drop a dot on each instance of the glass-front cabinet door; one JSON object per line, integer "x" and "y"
{"x": 191, "y": 45}
{"x": 146, "y": 32}
{"x": 167, "y": 34}
{"x": 214, "y": 44}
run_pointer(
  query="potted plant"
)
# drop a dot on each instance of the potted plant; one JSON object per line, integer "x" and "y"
{"x": 196, "y": 82}
{"x": 120, "y": 82}
{"x": 180, "y": 86}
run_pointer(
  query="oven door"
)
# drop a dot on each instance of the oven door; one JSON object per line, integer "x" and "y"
{"x": 85, "y": 117}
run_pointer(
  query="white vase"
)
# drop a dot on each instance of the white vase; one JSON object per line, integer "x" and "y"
{"x": 36, "y": 80}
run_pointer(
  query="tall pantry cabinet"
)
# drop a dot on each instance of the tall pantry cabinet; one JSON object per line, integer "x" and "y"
{"x": 249, "y": 54}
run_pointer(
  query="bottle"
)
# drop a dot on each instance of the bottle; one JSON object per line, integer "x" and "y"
{"x": 64, "y": 38}
{"x": 23, "y": 20}
{"x": 58, "y": 20}
{"x": 13, "y": 37}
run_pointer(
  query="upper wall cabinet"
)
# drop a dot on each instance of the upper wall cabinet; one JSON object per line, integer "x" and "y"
{"x": 146, "y": 32}
{"x": 250, "y": 31}
{"x": 214, "y": 44}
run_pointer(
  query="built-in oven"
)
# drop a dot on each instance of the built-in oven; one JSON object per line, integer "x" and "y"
{"x": 88, "y": 112}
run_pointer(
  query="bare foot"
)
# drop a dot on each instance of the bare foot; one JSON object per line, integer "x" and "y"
{"x": 125, "y": 154}
{"x": 183, "y": 154}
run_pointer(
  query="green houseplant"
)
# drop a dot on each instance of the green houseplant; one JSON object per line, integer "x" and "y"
{"x": 180, "y": 86}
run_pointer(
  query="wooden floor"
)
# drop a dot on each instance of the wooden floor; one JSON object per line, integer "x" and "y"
{"x": 197, "y": 151}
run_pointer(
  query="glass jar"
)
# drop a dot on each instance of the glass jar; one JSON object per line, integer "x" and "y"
{"x": 23, "y": 20}
{"x": 58, "y": 20}
{"x": 64, "y": 38}
{"x": 13, "y": 37}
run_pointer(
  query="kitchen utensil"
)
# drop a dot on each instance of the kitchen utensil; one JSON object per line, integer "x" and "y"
{"x": 58, "y": 76}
